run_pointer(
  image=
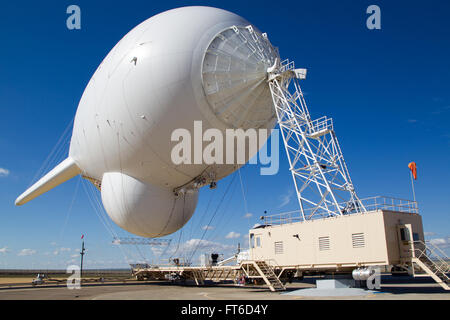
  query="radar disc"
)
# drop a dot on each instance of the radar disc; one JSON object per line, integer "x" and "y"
{"x": 234, "y": 74}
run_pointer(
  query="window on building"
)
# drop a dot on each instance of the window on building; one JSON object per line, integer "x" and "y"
{"x": 404, "y": 234}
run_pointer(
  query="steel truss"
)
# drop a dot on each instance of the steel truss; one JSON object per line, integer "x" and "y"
{"x": 320, "y": 175}
{"x": 142, "y": 241}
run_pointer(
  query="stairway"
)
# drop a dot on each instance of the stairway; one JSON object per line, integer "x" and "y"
{"x": 433, "y": 262}
{"x": 198, "y": 277}
{"x": 269, "y": 277}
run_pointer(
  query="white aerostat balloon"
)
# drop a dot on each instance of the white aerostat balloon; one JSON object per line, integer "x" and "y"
{"x": 183, "y": 65}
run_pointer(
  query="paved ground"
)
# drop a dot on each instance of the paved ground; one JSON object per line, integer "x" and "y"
{"x": 391, "y": 289}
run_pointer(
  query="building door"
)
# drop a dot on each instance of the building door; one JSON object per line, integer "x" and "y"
{"x": 405, "y": 241}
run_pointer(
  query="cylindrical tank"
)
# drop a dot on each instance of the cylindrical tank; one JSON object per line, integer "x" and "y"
{"x": 361, "y": 274}
{"x": 183, "y": 65}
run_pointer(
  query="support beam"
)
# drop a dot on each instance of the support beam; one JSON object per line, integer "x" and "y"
{"x": 320, "y": 174}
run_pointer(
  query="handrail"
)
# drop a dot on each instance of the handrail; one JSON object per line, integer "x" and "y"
{"x": 438, "y": 249}
{"x": 427, "y": 252}
{"x": 320, "y": 124}
{"x": 371, "y": 204}
{"x": 286, "y": 65}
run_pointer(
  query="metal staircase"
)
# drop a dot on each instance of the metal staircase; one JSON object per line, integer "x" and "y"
{"x": 269, "y": 276}
{"x": 433, "y": 261}
{"x": 199, "y": 277}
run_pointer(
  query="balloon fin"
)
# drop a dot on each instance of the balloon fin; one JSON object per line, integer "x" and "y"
{"x": 61, "y": 173}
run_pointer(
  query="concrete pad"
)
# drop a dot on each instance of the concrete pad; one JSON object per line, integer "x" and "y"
{"x": 326, "y": 284}
{"x": 338, "y": 292}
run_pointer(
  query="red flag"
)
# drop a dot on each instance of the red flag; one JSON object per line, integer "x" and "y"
{"x": 413, "y": 167}
{"x": 82, "y": 236}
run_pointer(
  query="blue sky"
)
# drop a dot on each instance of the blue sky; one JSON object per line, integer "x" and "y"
{"x": 387, "y": 90}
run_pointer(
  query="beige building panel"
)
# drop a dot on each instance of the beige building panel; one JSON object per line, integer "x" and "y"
{"x": 356, "y": 239}
{"x": 392, "y": 220}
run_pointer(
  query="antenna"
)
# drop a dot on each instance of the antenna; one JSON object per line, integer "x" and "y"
{"x": 82, "y": 253}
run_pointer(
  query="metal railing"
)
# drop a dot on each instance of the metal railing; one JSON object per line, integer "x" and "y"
{"x": 282, "y": 218}
{"x": 321, "y": 124}
{"x": 370, "y": 204}
{"x": 389, "y": 203}
{"x": 286, "y": 65}
{"x": 433, "y": 254}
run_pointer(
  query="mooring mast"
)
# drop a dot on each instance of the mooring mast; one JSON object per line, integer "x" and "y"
{"x": 320, "y": 175}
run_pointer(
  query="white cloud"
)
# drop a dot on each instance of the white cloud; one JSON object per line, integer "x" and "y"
{"x": 202, "y": 245}
{"x": 412, "y": 120}
{"x": 26, "y": 252}
{"x": 4, "y": 250}
{"x": 207, "y": 227}
{"x": 441, "y": 242}
{"x": 157, "y": 250}
{"x": 429, "y": 234}
{"x": 248, "y": 215}
{"x": 286, "y": 198}
{"x": 232, "y": 235}
{"x": 4, "y": 172}
{"x": 60, "y": 250}
{"x": 74, "y": 256}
